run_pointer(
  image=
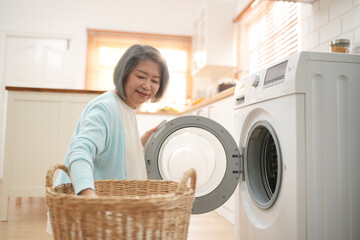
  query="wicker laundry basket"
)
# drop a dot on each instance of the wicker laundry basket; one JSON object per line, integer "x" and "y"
{"x": 124, "y": 209}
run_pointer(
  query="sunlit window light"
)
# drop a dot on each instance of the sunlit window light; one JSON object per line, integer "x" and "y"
{"x": 254, "y": 3}
{"x": 200, "y": 59}
{"x": 176, "y": 59}
{"x": 259, "y": 31}
{"x": 107, "y": 83}
{"x": 108, "y": 57}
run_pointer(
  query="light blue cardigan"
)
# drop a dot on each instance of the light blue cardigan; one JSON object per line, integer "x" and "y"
{"x": 97, "y": 148}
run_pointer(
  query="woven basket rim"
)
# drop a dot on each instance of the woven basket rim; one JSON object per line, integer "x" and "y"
{"x": 185, "y": 191}
{"x": 166, "y": 196}
{"x": 151, "y": 196}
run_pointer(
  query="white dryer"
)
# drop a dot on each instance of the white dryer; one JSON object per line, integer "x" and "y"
{"x": 298, "y": 122}
{"x": 296, "y": 162}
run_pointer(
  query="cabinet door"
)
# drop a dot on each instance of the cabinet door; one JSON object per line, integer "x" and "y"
{"x": 223, "y": 113}
{"x": 199, "y": 54}
{"x": 204, "y": 111}
{"x": 35, "y": 62}
{"x": 39, "y": 126}
{"x": 213, "y": 40}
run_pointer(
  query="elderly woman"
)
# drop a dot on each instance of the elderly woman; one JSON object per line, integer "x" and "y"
{"x": 106, "y": 142}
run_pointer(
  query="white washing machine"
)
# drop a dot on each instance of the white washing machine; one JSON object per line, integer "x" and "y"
{"x": 298, "y": 122}
{"x": 296, "y": 161}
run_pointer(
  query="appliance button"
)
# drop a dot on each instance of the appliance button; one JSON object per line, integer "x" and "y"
{"x": 255, "y": 81}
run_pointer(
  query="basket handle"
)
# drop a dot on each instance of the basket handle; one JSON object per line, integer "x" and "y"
{"x": 51, "y": 171}
{"x": 190, "y": 173}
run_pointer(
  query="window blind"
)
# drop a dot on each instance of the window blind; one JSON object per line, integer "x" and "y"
{"x": 266, "y": 31}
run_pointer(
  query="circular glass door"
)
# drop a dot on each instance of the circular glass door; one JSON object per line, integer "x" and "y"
{"x": 263, "y": 164}
{"x": 199, "y": 143}
{"x": 193, "y": 148}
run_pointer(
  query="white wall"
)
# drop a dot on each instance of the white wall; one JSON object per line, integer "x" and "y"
{"x": 325, "y": 20}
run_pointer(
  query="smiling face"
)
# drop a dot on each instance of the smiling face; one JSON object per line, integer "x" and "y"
{"x": 142, "y": 83}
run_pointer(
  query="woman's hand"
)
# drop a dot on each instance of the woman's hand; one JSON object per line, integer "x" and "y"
{"x": 88, "y": 193}
{"x": 146, "y": 135}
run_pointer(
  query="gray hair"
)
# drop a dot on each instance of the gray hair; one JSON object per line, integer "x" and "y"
{"x": 129, "y": 60}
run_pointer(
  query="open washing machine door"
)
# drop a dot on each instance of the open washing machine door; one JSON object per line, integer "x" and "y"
{"x": 200, "y": 143}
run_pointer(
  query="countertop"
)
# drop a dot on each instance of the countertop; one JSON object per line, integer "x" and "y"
{"x": 224, "y": 94}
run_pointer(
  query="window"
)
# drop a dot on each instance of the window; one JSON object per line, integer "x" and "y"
{"x": 267, "y": 31}
{"x": 106, "y": 47}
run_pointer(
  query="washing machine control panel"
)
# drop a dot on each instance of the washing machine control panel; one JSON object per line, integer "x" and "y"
{"x": 273, "y": 81}
{"x": 268, "y": 77}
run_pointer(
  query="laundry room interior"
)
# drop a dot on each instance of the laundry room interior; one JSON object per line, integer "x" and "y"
{"x": 262, "y": 101}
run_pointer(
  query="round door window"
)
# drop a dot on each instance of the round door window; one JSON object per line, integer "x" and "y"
{"x": 263, "y": 164}
{"x": 193, "y": 148}
{"x": 200, "y": 143}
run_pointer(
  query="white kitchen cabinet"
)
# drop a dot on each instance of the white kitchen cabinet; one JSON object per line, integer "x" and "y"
{"x": 44, "y": 62}
{"x": 203, "y": 111}
{"x": 223, "y": 112}
{"x": 213, "y": 39}
{"x": 39, "y": 126}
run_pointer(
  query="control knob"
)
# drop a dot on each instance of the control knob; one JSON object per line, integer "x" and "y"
{"x": 255, "y": 81}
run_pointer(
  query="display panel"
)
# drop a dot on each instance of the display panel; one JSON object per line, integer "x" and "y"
{"x": 275, "y": 74}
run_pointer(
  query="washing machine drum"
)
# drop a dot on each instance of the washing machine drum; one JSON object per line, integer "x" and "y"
{"x": 200, "y": 143}
{"x": 263, "y": 164}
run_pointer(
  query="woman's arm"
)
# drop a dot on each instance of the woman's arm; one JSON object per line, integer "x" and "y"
{"x": 87, "y": 193}
{"x": 88, "y": 141}
{"x": 147, "y": 134}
